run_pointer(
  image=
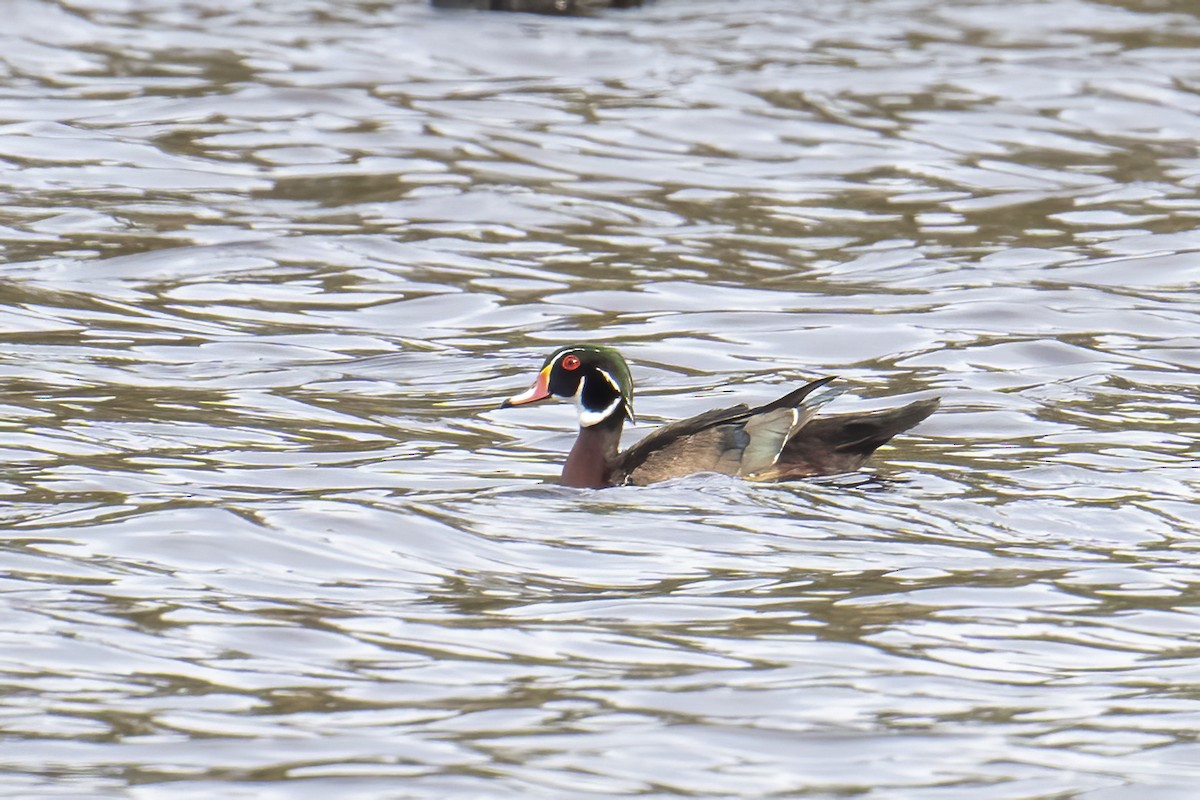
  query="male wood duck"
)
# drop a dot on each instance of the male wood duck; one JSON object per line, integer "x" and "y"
{"x": 781, "y": 440}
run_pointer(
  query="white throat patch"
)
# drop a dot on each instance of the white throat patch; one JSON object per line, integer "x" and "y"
{"x": 589, "y": 418}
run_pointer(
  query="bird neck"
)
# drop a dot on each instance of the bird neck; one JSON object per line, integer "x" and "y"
{"x": 595, "y": 450}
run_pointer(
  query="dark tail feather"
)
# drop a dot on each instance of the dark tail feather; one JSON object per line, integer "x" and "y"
{"x": 842, "y": 442}
{"x": 793, "y": 398}
{"x": 865, "y": 433}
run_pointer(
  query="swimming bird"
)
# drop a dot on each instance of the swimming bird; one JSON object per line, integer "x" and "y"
{"x": 781, "y": 440}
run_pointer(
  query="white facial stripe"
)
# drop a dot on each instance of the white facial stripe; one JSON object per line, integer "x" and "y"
{"x": 589, "y": 418}
{"x": 610, "y": 380}
{"x": 620, "y": 394}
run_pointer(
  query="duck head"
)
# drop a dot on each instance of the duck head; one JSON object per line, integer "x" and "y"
{"x": 595, "y": 378}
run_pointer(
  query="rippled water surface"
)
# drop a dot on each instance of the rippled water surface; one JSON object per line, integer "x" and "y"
{"x": 268, "y": 268}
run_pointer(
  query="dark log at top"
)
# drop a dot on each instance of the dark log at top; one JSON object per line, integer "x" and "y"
{"x": 561, "y": 7}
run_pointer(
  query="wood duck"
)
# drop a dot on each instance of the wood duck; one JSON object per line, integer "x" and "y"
{"x": 781, "y": 440}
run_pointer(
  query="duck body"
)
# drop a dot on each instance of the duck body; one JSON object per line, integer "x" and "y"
{"x": 782, "y": 440}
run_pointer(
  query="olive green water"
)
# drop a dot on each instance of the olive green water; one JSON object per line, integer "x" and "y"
{"x": 268, "y": 268}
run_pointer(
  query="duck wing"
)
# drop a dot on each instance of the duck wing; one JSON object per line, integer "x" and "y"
{"x": 842, "y": 442}
{"x": 738, "y": 440}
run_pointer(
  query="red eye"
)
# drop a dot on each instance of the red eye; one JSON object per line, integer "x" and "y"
{"x": 570, "y": 362}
